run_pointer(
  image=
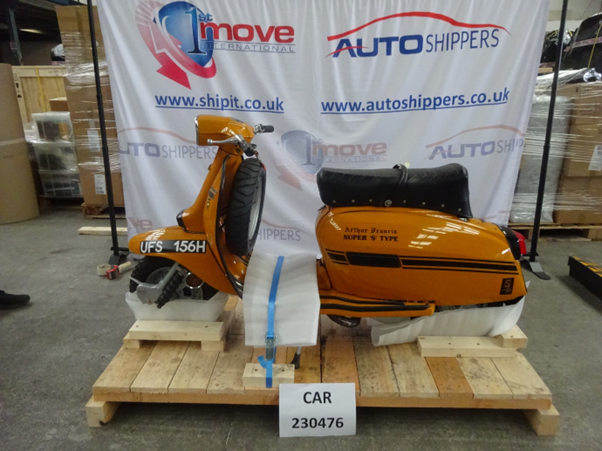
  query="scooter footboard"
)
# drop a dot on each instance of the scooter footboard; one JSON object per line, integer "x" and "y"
{"x": 335, "y": 303}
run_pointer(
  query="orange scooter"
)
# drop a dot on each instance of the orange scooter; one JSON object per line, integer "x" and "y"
{"x": 395, "y": 242}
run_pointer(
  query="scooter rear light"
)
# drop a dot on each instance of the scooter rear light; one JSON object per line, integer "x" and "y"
{"x": 513, "y": 241}
{"x": 522, "y": 242}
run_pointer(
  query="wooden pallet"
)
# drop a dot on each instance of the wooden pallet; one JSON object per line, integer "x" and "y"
{"x": 101, "y": 231}
{"x": 387, "y": 376}
{"x": 591, "y": 232}
{"x": 92, "y": 211}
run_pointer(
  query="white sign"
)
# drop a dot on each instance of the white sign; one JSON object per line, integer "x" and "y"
{"x": 346, "y": 84}
{"x": 100, "y": 184}
{"x": 94, "y": 139}
{"x": 317, "y": 410}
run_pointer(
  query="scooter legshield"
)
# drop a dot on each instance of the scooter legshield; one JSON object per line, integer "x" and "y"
{"x": 191, "y": 250}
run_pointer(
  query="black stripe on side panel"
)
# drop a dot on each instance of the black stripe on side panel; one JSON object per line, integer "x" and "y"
{"x": 374, "y": 260}
{"x": 459, "y": 264}
{"x": 422, "y": 306}
{"x": 368, "y": 309}
{"x": 452, "y": 259}
{"x": 423, "y": 268}
{"x": 337, "y": 257}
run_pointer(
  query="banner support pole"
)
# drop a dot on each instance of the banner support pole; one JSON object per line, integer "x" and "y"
{"x": 116, "y": 257}
{"x": 532, "y": 263}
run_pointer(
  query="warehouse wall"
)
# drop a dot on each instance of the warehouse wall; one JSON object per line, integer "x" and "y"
{"x": 35, "y": 53}
{"x": 577, "y": 11}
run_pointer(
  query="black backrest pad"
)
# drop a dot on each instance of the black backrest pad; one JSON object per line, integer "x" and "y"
{"x": 442, "y": 189}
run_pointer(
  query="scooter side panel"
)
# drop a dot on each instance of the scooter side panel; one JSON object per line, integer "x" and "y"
{"x": 191, "y": 250}
{"x": 417, "y": 255}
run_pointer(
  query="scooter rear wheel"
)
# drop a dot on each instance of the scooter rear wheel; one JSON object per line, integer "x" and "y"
{"x": 245, "y": 207}
{"x": 152, "y": 270}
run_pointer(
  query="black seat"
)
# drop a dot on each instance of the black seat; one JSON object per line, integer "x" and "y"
{"x": 442, "y": 189}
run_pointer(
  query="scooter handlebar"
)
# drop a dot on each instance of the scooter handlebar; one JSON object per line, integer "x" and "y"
{"x": 260, "y": 128}
{"x": 248, "y": 149}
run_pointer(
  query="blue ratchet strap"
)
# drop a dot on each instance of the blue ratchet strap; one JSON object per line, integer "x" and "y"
{"x": 270, "y": 349}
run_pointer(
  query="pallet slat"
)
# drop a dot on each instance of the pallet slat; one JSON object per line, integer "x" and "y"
{"x": 449, "y": 377}
{"x": 229, "y": 369}
{"x": 522, "y": 379}
{"x": 338, "y": 361}
{"x": 158, "y": 371}
{"x": 310, "y": 371}
{"x": 102, "y": 231}
{"x": 194, "y": 372}
{"x": 178, "y": 330}
{"x": 413, "y": 375}
{"x": 237, "y": 324}
{"x": 123, "y": 369}
{"x": 484, "y": 378}
{"x": 463, "y": 347}
{"x": 515, "y": 338}
{"x": 374, "y": 369}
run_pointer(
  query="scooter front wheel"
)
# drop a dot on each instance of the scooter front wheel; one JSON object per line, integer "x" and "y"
{"x": 152, "y": 270}
{"x": 245, "y": 207}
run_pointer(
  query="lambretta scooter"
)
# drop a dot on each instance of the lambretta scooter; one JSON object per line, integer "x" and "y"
{"x": 394, "y": 242}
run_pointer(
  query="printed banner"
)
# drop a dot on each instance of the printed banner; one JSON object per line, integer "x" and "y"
{"x": 347, "y": 83}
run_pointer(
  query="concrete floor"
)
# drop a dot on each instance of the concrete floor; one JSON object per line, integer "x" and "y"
{"x": 52, "y": 352}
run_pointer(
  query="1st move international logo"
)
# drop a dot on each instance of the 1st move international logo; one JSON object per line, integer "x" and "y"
{"x": 183, "y": 38}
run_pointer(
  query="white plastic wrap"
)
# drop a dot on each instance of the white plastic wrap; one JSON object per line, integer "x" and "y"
{"x": 178, "y": 309}
{"x": 297, "y": 310}
{"x": 525, "y": 195}
{"x": 472, "y": 322}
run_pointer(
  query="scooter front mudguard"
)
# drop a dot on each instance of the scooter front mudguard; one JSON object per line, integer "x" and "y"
{"x": 191, "y": 250}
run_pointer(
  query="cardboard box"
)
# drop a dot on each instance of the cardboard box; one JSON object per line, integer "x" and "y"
{"x": 59, "y": 104}
{"x": 91, "y": 163}
{"x": 18, "y": 200}
{"x": 584, "y": 147}
{"x": 75, "y": 34}
{"x": 583, "y": 195}
{"x": 587, "y": 102}
{"x": 94, "y": 188}
{"x": 584, "y": 151}
{"x": 80, "y": 86}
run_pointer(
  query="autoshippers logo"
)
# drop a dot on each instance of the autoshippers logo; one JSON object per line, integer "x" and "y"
{"x": 306, "y": 154}
{"x": 183, "y": 38}
{"x": 468, "y": 36}
{"x": 477, "y": 143}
